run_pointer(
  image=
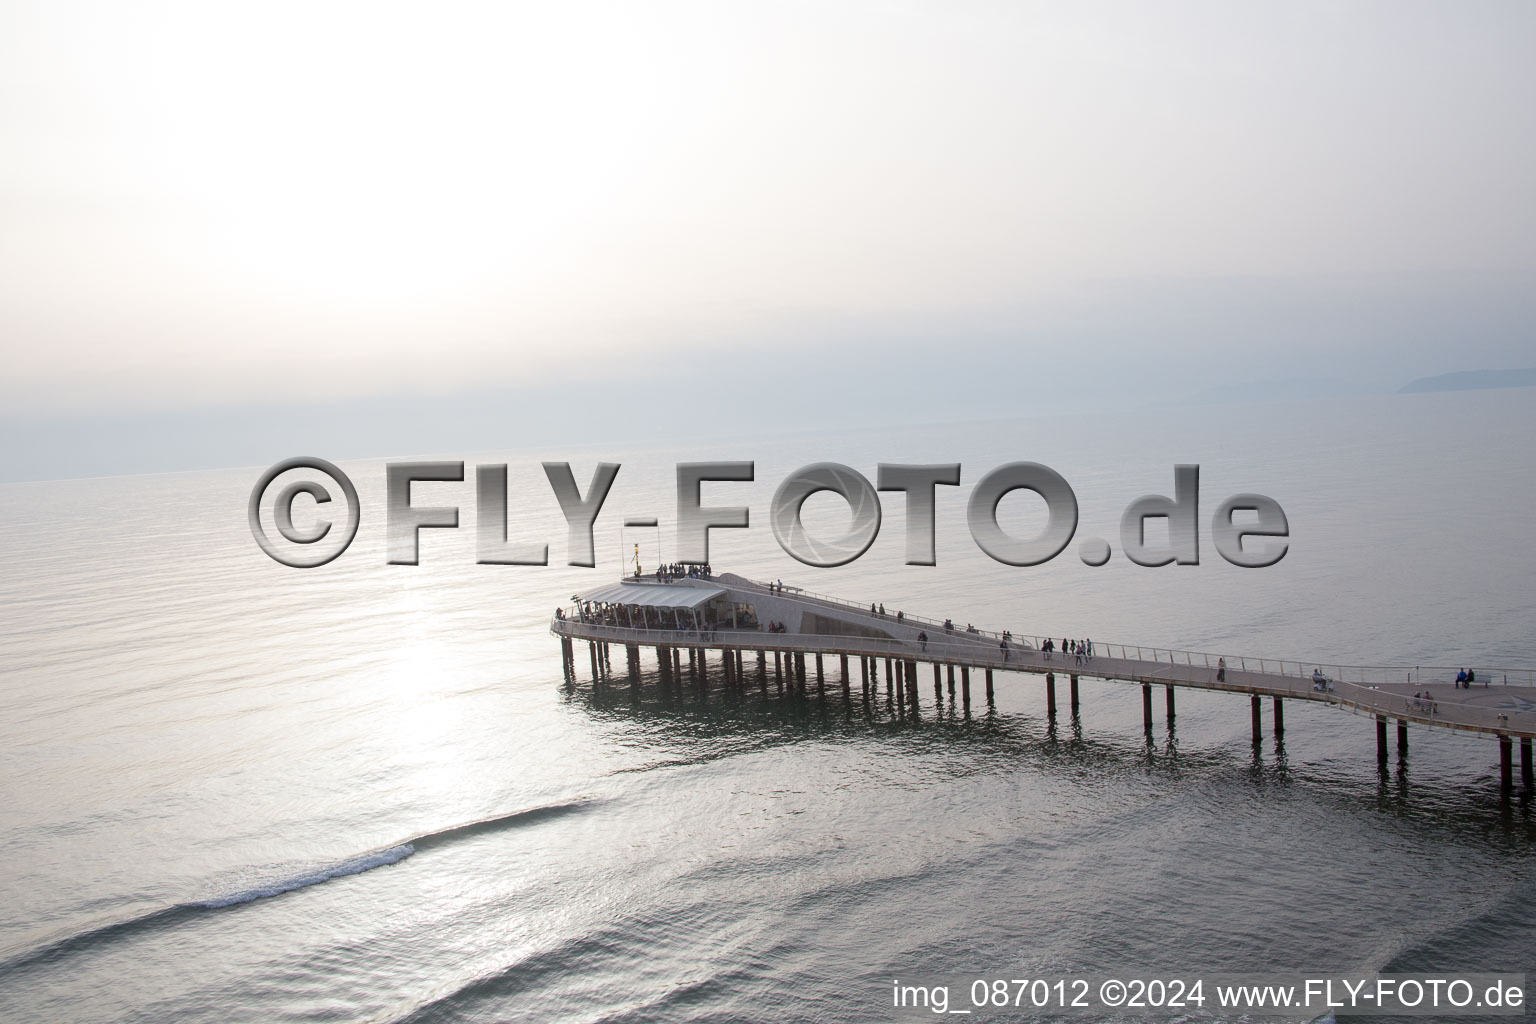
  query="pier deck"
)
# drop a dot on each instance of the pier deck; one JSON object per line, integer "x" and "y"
{"x": 1502, "y": 703}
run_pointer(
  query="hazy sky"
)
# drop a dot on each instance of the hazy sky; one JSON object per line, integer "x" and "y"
{"x": 217, "y": 205}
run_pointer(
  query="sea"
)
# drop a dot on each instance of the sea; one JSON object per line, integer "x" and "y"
{"x": 233, "y": 791}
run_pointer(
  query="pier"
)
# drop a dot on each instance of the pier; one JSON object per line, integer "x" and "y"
{"x": 684, "y": 620}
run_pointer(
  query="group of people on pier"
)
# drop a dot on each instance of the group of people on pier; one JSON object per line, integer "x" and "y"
{"x": 680, "y": 570}
{"x": 1082, "y": 650}
{"x": 1465, "y": 678}
{"x": 640, "y": 617}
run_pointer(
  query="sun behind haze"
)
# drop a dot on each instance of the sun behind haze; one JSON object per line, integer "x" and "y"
{"x": 220, "y": 203}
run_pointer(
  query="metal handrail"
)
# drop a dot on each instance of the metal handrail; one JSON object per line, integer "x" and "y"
{"x": 1279, "y": 666}
{"x": 1362, "y": 674}
{"x": 950, "y": 649}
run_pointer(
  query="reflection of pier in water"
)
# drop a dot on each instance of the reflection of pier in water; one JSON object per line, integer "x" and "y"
{"x": 684, "y": 620}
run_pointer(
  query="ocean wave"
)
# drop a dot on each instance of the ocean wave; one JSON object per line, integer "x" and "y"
{"x": 352, "y": 866}
{"x": 453, "y": 833}
{"x": 164, "y": 916}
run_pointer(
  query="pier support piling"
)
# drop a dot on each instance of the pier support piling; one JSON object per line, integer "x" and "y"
{"x": 938, "y": 685}
{"x": 1402, "y": 737}
{"x": 1506, "y": 763}
{"x": 1073, "y": 697}
{"x": 1050, "y": 695}
{"x": 989, "y": 687}
{"x": 965, "y": 686}
{"x": 1279, "y": 718}
{"x": 1168, "y": 695}
{"x": 1525, "y": 762}
{"x": 1146, "y": 706}
{"x": 1258, "y": 718}
{"x": 1381, "y": 739}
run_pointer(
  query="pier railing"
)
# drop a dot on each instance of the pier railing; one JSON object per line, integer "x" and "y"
{"x": 1114, "y": 661}
{"x": 1434, "y": 710}
{"x": 1365, "y": 675}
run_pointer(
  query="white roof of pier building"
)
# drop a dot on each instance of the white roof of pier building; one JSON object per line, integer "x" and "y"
{"x": 653, "y": 595}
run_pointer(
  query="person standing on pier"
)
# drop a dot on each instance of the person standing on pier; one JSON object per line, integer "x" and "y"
{"x": 1221, "y": 670}
{"x": 922, "y": 639}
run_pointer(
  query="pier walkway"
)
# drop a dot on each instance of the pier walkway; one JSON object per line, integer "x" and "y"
{"x": 1501, "y": 703}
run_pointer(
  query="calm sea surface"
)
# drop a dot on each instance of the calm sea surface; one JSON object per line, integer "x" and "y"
{"x": 232, "y": 791}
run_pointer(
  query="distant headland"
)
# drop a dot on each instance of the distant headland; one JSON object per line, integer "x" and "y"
{"x": 1473, "y": 380}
